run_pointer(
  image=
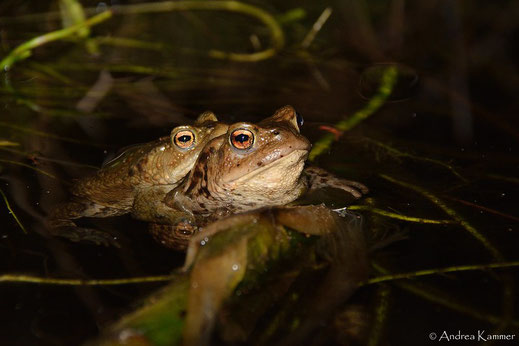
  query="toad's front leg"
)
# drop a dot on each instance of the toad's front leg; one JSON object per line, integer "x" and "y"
{"x": 318, "y": 178}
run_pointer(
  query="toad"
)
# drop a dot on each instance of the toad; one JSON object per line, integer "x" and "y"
{"x": 250, "y": 167}
{"x": 136, "y": 181}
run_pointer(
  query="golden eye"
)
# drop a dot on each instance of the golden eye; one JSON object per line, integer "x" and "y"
{"x": 184, "y": 139}
{"x": 242, "y": 139}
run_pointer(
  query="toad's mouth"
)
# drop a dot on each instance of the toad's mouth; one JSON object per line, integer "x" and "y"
{"x": 291, "y": 164}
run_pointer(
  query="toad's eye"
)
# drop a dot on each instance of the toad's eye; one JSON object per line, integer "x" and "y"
{"x": 184, "y": 139}
{"x": 242, "y": 139}
{"x": 300, "y": 120}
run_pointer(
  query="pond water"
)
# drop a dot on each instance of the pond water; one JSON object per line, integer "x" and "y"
{"x": 443, "y": 146}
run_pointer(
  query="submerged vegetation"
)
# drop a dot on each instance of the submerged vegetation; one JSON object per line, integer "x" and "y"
{"x": 427, "y": 126}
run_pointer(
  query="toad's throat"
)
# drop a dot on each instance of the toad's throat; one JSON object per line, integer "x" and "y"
{"x": 292, "y": 163}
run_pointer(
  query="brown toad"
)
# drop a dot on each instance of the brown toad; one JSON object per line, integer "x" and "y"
{"x": 136, "y": 181}
{"x": 251, "y": 166}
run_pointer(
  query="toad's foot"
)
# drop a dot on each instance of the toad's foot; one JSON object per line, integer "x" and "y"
{"x": 319, "y": 178}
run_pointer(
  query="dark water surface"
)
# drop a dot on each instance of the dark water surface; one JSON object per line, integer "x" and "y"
{"x": 449, "y": 127}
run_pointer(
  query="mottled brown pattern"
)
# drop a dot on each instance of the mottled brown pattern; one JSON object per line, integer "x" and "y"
{"x": 183, "y": 190}
{"x": 145, "y": 172}
{"x": 227, "y": 180}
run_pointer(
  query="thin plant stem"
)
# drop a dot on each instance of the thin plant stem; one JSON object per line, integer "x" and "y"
{"x": 276, "y": 34}
{"x": 129, "y": 43}
{"x": 47, "y": 159}
{"x": 488, "y": 210}
{"x": 11, "y": 211}
{"x": 48, "y": 135}
{"x": 465, "y": 224}
{"x": 435, "y": 271}
{"x": 316, "y": 27}
{"x": 504, "y": 178}
{"x": 381, "y": 314}
{"x": 397, "y": 153}
{"x": 23, "y": 51}
{"x": 6, "y": 143}
{"x": 508, "y": 295}
{"x": 439, "y": 298}
{"x": 399, "y": 216}
{"x": 81, "y": 282}
{"x": 28, "y": 166}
